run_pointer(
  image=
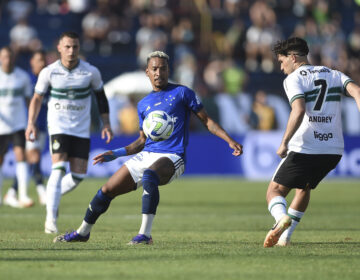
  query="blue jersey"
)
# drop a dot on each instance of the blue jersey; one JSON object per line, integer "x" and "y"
{"x": 178, "y": 101}
{"x": 41, "y": 122}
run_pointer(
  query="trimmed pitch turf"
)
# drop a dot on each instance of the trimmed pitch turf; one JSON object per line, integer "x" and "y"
{"x": 206, "y": 228}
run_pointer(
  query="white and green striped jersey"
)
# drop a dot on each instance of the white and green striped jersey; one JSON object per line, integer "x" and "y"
{"x": 70, "y": 97}
{"x": 14, "y": 88}
{"x": 321, "y": 129}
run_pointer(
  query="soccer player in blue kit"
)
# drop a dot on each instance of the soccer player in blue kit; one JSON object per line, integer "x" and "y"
{"x": 155, "y": 163}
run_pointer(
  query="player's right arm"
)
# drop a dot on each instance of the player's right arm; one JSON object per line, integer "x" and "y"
{"x": 134, "y": 148}
{"x": 354, "y": 91}
{"x": 34, "y": 109}
{"x": 295, "y": 119}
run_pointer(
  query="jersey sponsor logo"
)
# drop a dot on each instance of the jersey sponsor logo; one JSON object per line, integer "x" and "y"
{"x": 303, "y": 73}
{"x": 320, "y": 119}
{"x": 323, "y": 136}
{"x": 57, "y": 73}
{"x": 69, "y": 107}
{"x": 322, "y": 70}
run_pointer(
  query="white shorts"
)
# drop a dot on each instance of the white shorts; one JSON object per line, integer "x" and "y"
{"x": 39, "y": 143}
{"x": 143, "y": 160}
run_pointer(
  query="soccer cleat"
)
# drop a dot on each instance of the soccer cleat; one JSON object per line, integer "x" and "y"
{"x": 274, "y": 234}
{"x": 141, "y": 239}
{"x": 71, "y": 237}
{"x": 50, "y": 227}
{"x": 11, "y": 200}
{"x": 26, "y": 202}
{"x": 283, "y": 243}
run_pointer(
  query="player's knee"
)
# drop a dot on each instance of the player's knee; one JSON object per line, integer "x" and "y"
{"x": 150, "y": 181}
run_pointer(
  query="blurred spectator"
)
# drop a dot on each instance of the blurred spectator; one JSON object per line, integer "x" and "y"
{"x": 96, "y": 26}
{"x": 19, "y": 9}
{"x": 262, "y": 116}
{"x": 23, "y": 38}
{"x": 260, "y": 36}
{"x": 149, "y": 38}
{"x": 185, "y": 71}
{"x": 78, "y": 6}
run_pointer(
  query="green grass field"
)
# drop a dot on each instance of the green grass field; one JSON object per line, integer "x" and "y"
{"x": 206, "y": 228}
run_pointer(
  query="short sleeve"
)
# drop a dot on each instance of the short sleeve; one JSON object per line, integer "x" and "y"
{"x": 191, "y": 100}
{"x": 345, "y": 80}
{"x": 96, "y": 81}
{"x": 43, "y": 82}
{"x": 293, "y": 88}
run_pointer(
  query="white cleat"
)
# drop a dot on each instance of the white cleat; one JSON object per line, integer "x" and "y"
{"x": 50, "y": 227}
{"x": 11, "y": 200}
{"x": 26, "y": 202}
{"x": 274, "y": 234}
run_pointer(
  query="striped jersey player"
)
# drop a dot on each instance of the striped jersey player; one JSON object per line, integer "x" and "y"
{"x": 322, "y": 89}
{"x": 70, "y": 81}
{"x": 313, "y": 143}
{"x": 15, "y": 90}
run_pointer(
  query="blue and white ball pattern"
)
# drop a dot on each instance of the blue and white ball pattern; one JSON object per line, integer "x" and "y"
{"x": 158, "y": 125}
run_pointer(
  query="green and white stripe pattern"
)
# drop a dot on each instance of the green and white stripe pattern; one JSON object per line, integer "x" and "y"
{"x": 70, "y": 93}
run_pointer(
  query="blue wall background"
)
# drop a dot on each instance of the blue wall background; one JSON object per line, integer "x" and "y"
{"x": 209, "y": 155}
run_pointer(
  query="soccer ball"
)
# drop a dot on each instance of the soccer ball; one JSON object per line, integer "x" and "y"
{"x": 158, "y": 125}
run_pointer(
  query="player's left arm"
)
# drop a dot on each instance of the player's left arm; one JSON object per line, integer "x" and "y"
{"x": 103, "y": 106}
{"x": 354, "y": 91}
{"x": 217, "y": 130}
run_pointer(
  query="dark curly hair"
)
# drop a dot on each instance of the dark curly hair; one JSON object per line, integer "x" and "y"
{"x": 295, "y": 45}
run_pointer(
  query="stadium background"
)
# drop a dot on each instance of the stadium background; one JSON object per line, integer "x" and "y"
{"x": 220, "y": 48}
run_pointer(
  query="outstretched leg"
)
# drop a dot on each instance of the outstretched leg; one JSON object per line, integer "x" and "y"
{"x": 120, "y": 183}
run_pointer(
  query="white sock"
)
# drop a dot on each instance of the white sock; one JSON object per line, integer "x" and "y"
{"x": 53, "y": 190}
{"x": 277, "y": 207}
{"x": 22, "y": 175}
{"x": 70, "y": 182}
{"x": 146, "y": 224}
{"x": 84, "y": 228}
{"x": 295, "y": 217}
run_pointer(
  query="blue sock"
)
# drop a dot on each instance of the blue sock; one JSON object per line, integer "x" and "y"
{"x": 98, "y": 205}
{"x": 35, "y": 172}
{"x": 15, "y": 184}
{"x": 151, "y": 195}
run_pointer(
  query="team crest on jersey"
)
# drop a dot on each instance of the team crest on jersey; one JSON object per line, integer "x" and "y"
{"x": 71, "y": 94}
{"x": 55, "y": 145}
